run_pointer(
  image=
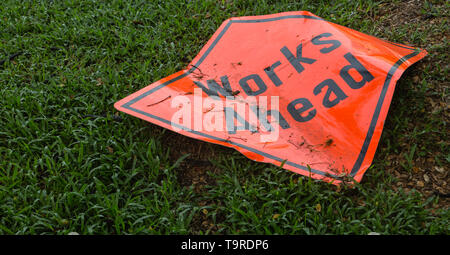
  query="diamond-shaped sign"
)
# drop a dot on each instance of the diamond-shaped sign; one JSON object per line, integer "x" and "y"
{"x": 290, "y": 89}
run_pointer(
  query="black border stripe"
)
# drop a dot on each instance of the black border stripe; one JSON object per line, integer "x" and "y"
{"x": 401, "y": 46}
{"x": 376, "y": 114}
{"x": 230, "y": 142}
{"x": 369, "y": 135}
{"x": 275, "y": 19}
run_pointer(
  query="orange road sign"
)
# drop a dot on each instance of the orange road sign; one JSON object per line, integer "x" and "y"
{"x": 289, "y": 89}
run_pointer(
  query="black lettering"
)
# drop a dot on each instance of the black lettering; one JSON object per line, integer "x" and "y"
{"x": 297, "y": 113}
{"x": 335, "y": 43}
{"x": 262, "y": 116}
{"x": 214, "y": 88}
{"x": 354, "y": 63}
{"x": 270, "y": 71}
{"x": 230, "y": 115}
{"x": 332, "y": 88}
{"x": 281, "y": 119}
{"x": 259, "y": 82}
{"x": 296, "y": 61}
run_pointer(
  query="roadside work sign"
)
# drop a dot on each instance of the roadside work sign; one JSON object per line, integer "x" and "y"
{"x": 289, "y": 89}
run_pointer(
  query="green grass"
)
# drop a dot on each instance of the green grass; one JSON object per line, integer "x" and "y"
{"x": 62, "y": 170}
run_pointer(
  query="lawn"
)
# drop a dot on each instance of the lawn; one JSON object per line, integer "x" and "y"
{"x": 70, "y": 162}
